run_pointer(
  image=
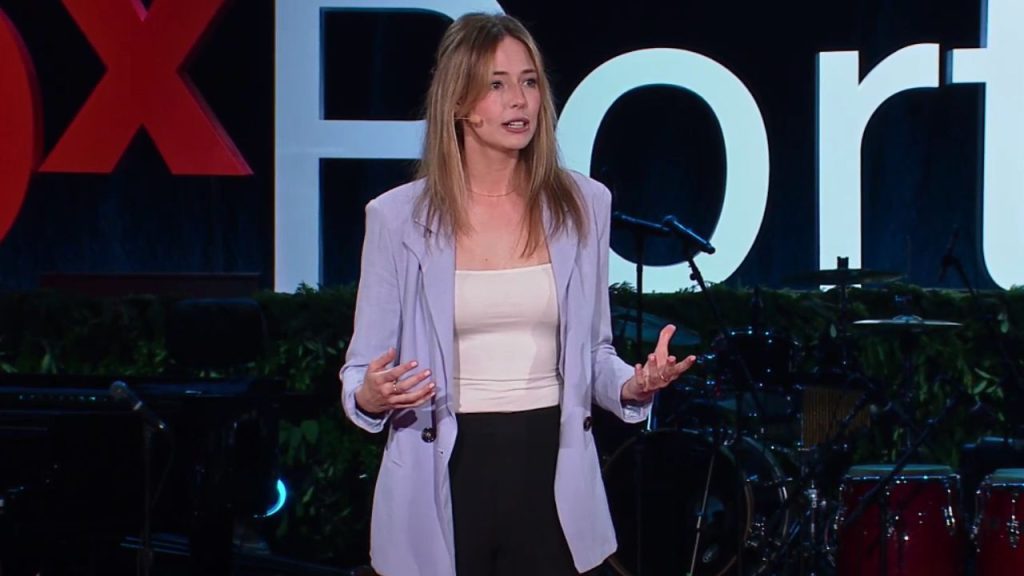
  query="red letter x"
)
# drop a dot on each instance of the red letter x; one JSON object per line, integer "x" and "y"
{"x": 144, "y": 86}
{"x": 21, "y": 132}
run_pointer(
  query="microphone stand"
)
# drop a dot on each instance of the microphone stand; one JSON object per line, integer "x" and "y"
{"x": 747, "y": 380}
{"x": 638, "y": 238}
{"x": 151, "y": 427}
{"x": 145, "y": 558}
{"x": 652, "y": 419}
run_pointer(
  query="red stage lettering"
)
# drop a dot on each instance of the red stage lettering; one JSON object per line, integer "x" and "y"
{"x": 145, "y": 86}
{"x": 21, "y": 134}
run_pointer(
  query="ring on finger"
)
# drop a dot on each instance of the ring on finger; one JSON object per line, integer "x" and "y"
{"x": 394, "y": 387}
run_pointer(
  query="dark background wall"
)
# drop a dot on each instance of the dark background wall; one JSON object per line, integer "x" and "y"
{"x": 659, "y": 149}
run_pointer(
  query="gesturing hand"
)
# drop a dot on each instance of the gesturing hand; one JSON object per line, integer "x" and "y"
{"x": 659, "y": 371}
{"x": 387, "y": 389}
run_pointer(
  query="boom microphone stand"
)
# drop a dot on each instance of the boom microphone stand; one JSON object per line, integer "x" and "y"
{"x": 693, "y": 243}
{"x": 747, "y": 380}
{"x": 640, "y": 229}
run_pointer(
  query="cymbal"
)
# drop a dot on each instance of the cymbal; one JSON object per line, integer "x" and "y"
{"x": 624, "y": 326}
{"x": 905, "y": 323}
{"x": 845, "y": 276}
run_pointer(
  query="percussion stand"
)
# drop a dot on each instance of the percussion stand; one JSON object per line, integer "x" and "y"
{"x": 842, "y": 326}
{"x": 905, "y": 406}
{"x": 874, "y": 494}
{"x": 804, "y": 485}
{"x": 747, "y": 386}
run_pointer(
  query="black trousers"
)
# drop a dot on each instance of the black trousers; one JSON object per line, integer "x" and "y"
{"x": 503, "y": 495}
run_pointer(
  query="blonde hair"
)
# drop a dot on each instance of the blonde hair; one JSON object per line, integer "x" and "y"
{"x": 460, "y": 78}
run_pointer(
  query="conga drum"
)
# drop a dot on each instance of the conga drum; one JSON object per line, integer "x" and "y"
{"x": 997, "y": 528}
{"x": 913, "y": 528}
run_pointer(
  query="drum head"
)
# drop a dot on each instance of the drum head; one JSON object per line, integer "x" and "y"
{"x": 656, "y": 485}
{"x": 1008, "y": 476}
{"x": 918, "y": 471}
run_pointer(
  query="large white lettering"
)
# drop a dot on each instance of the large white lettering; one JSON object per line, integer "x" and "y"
{"x": 303, "y": 137}
{"x": 746, "y": 149}
{"x": 997, "y": 65}
{"x": 845, "y": 105}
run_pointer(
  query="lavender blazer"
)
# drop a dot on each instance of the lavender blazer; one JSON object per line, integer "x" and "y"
{"x": 406, "y": 300}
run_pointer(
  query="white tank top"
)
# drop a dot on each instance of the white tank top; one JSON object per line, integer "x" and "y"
{"x": 506, "y": 340}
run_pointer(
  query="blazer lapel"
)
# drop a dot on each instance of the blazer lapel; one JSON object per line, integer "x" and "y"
{"x": 437, "y": 268}
{"x": 562, "y": 249}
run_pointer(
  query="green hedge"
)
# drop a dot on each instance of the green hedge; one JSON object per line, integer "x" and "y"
{"x": 330, "y": 465}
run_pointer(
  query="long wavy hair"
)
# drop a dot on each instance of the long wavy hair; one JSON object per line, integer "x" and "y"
{"x": 460, "y": 78}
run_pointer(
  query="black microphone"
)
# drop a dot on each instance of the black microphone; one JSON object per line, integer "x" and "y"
{"x": 638, "y": 225}
{"x": 121, "y": 392}
{"x": 677, "y": 228}
{"x": 947, "y": 258}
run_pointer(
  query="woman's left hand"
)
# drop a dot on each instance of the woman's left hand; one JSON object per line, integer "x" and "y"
{"x": 659, "y": 371}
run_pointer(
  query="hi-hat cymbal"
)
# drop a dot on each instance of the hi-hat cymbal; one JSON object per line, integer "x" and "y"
{"x": 904, "y": 323}
{"x": 844, "y": 277}
{"x": 624, "y": 326}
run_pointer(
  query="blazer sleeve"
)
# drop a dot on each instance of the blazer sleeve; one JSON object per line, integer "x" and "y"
{"x": 377, "y": 315}
{"x": 610, "y": 372}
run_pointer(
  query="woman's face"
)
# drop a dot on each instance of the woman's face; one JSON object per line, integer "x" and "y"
{"x": 505, "y": 119}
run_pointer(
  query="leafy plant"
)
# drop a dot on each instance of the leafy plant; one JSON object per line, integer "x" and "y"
{"x": 330, "y": 466}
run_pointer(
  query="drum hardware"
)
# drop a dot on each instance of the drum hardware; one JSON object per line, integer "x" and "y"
{"x": 889, "y": 519}
{"x": 976, "y": 524}
{"x": 1012, "y": 526}
{"x": 811, "y": 543}
{"x": 949, "y": 514}
{"x": 996, "y": 530}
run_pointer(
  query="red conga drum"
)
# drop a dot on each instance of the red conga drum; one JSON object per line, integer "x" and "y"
{"x": 997, "y": 528}
{"x": 913, "y": 528}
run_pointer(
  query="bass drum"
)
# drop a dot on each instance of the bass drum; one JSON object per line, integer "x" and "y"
{"x": 656, "y": 483}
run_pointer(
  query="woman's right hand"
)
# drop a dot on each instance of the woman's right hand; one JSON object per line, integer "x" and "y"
{"x": 385, "y": 389}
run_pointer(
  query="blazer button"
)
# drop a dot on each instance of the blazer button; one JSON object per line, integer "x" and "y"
{"x": 587, "y": 424}
{"x": 428, "y": 435}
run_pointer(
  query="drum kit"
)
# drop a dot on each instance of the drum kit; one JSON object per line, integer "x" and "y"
{"x": 747, "y": 469}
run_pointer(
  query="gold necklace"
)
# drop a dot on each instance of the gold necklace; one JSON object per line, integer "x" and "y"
{"x": 490, "y": 195}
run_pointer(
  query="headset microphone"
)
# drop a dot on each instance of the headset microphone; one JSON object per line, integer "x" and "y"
{"x": 473, "y": 119}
